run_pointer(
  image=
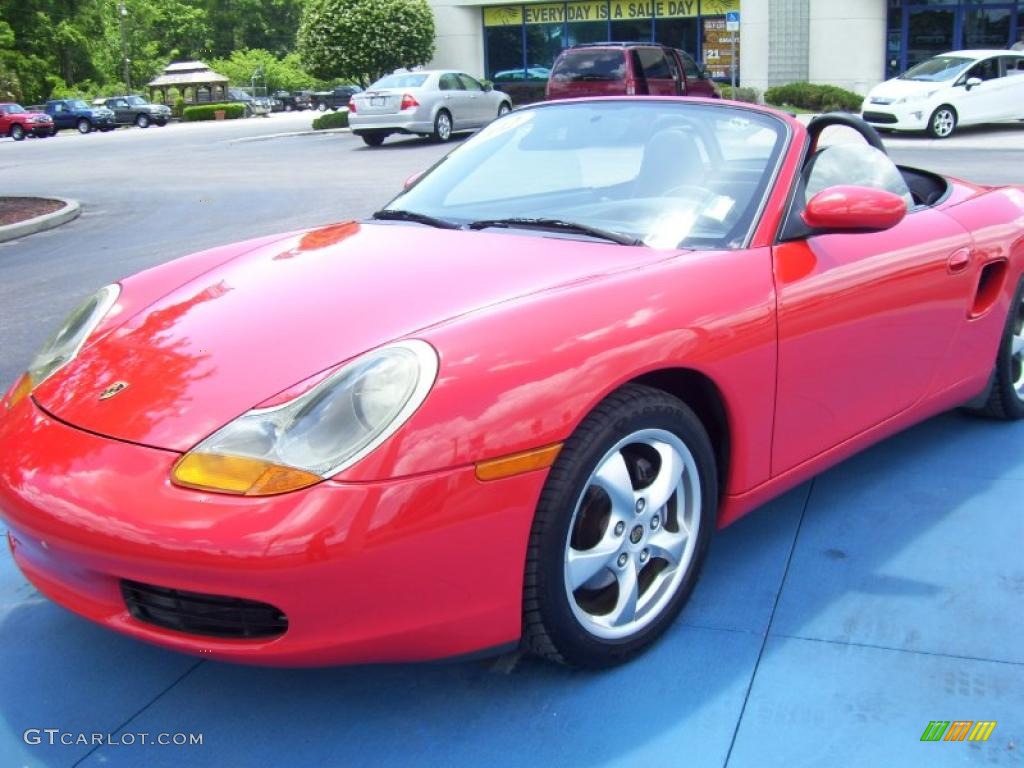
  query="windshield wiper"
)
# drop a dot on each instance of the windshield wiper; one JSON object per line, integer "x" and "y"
{"x": 557, "y": 225}
{"x": 394, "y": 214}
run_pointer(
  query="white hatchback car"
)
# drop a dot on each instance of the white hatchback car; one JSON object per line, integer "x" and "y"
{"x": 950, "y": 90}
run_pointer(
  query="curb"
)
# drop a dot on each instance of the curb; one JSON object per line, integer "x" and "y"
{"x": 20, "y": 229}
{"x": 268, "y": 137}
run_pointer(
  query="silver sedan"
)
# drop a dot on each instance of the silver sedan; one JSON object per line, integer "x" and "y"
{"x": 434, "y": 103}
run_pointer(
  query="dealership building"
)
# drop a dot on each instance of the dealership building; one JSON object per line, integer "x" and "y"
{"x": 851, "y": 43}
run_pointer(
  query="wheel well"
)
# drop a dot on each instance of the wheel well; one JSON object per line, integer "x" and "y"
{"x": 702, "y": 395}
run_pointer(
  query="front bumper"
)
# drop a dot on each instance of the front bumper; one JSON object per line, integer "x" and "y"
{"x": 40, "y": 129}
{"x": 416, "y": 568}
{"x": 412, "y": 121}
{"x": 902, "y": 117}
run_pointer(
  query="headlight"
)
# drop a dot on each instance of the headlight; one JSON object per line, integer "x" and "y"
{"x": 65, "y": 344}
{"x": 915, "y": 97}
{"x": 318, "y": 434}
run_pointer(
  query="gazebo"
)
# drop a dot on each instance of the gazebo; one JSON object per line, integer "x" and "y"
{"x": 195, "y": 82}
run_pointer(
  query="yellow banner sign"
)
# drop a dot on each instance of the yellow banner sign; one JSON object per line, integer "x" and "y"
{"x": 557, "y": 13}
{"x": 503, "y": 15}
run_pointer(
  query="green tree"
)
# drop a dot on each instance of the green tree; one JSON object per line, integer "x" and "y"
{"x": 278, "y": 73}
{"x": 260, "y": 24}
{"x": 362, "y": 40}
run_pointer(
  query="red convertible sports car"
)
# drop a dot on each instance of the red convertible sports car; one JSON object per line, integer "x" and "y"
{"x": 512, "y": 406}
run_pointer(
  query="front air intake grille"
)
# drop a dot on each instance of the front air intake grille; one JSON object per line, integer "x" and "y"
{"x": 880, "y": 117}
{"x": 199, "y": 614}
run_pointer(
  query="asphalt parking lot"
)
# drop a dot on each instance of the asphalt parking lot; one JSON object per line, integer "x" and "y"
{"x": 830, "y": 626}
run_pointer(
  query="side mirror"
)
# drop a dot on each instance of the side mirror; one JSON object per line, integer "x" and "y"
{"x": 488, "y": 87}
{"x": 411, "y": 180}
{"x": 972, "y": 81}
{"x": 854, "y": 209}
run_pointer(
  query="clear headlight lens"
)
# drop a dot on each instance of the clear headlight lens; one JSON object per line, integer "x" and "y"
{"x": 916, "y": 97}
{"x": 319, "y": 433}
{"x": 66, "y": 342}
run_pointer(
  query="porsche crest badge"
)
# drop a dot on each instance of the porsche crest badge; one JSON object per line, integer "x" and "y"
{"x": 114, "y": 389}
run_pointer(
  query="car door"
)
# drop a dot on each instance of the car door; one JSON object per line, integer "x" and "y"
{"x": 478, "y": 100}
{"x": 658, "y": 72}
{"x": 979, "y": 103}
{"x": 5, "y": 121}
{"x": 864, "y": 319}
{"x": 696, "y": 82}
{"x": 120, "y": 108}
{"x": 1010, "y": 88}
{"x": 454, "y": 98}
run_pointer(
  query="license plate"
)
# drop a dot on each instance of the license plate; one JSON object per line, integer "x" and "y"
{"x": 377, "y": 101}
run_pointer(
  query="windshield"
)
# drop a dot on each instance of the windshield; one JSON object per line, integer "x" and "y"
{"x": 667, "y": 174}
{"x": 136, "y": 100}
{"x": 937, "y": 69}
{"x": 399, "y": 81}
{"x": 78, "y": 104}
{"x": 12, "y": 109}
{"x": 590, "y": 65}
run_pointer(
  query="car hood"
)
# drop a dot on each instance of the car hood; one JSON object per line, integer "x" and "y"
{"x": 270, "y": 318}
{"x": 896, "y": 89}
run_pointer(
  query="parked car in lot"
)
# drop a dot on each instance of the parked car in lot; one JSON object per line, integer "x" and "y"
{"x": 948, "y": 91}
{"x": 434, "y": 103}
{"x": 18, "y": 122}
{"x": 135, "y": 110}
{"x": 335, "y": 99}
{"x": 254, "y": 105}
{"x": 612, "y": 327}
{"x": 293, "y": 102}
{"x": 627, "y": 69}
{"x": 75, "y": 113}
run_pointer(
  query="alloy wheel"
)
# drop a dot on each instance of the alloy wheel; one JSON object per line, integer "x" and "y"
{"x": 633, "y": 534}
{"x": 943, "y": 123}
{"x": 1017, "y": 352}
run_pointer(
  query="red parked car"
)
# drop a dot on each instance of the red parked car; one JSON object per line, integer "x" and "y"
{"x": 17, "y": 122}
{"x": 509, "y": 413}
{"x": 627, "y": 69}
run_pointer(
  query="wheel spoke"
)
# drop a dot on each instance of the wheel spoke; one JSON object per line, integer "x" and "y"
{"x": 1017, "y": 346}
{"x": 582, "y": 565}
{"x": 668, "y": 479}
{"x": 629, "y": 593}
{"x": 668, "y": 546}
{"x": 613, "y": 478}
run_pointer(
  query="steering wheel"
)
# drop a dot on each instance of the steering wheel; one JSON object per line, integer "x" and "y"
{"x": 821, "y": 122}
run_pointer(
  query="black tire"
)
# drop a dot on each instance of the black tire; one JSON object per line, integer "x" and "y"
{"x": 551, "y": 627}
{"x": 942, "y": 123}
{"x": 287, "y": 107}
{"x": 1006, "y": 399}
{"x": 84, "y": 126}
{"x": 442, "y": 127}
{"x": 142, "y": 121}
{"x": 373, "y": 139}
{"x": 322, "y": 106}
{"x": 504, "y": 108}
{"x": 161, "y": 123}
{"x": 17, "y": 132}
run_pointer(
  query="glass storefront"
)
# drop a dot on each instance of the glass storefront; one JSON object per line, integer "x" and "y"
{"x": 918, "y": 29}
{"x": 522, "y": 41}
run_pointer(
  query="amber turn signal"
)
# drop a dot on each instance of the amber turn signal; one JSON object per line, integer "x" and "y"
{"x": 238, "y": 475}
{"x": 22, "y": 388}
{"x": 517, "y": 463}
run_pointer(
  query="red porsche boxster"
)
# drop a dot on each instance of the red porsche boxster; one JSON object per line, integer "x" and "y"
{"x": 510, "y": 407}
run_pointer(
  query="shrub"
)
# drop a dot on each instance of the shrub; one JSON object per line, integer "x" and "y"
{"x": 178, "y": 108}
{"x": 748, "y": 95}
{"x": 820, "y": 98}
{"x": 331, "y": 120}
{"x": 205, "y": 112}
{"x": 362, "y": 40}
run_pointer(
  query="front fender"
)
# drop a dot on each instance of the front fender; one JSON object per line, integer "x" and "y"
{"x": 525, "y": 373}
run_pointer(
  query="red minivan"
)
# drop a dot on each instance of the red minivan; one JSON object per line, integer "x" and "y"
{"x": 627, "y": 69}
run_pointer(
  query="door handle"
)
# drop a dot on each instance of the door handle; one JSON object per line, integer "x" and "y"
{"x": 959, "y": 261}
